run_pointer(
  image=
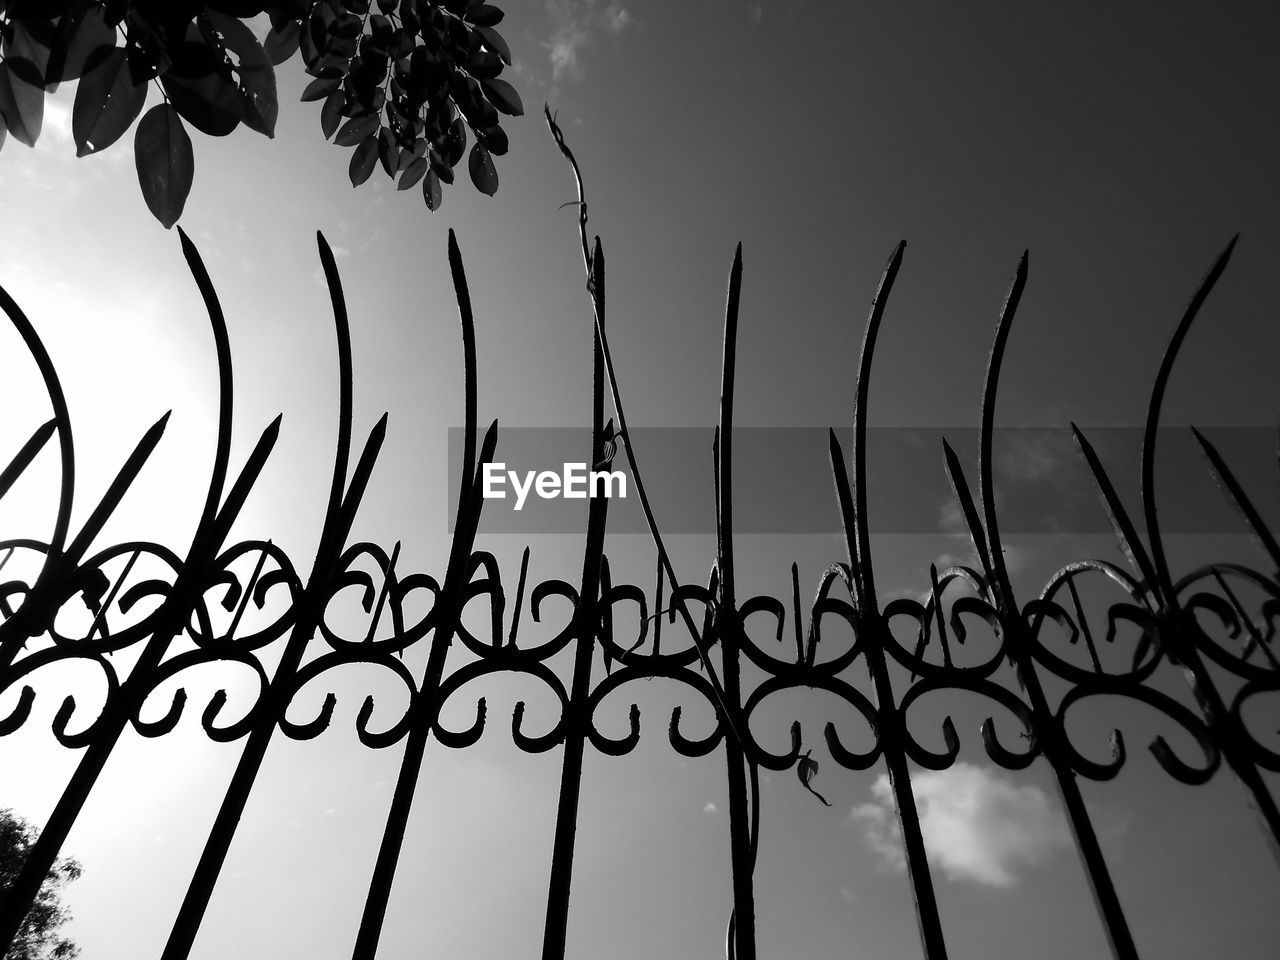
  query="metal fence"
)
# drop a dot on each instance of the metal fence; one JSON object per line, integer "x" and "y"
{"x": 1216, "y": 624}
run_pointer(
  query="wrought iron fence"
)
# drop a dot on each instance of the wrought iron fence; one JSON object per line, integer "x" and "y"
{"x": 1200, "y": 622}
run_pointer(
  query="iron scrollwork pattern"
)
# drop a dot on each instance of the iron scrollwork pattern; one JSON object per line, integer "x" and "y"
{"x": 248, "y": 605}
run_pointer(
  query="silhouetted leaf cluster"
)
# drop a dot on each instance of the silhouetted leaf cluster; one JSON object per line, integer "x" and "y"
{"x": 402, "y": 81}
{"x": 38, "y": 936}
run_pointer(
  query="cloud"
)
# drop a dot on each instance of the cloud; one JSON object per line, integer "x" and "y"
{"x": 945, "y": 560}
{"x": 565, "y": 44}
{"x": 951, "y": 517}
{"x": 617, "y": 18}
{"x": 1016, "y": 559}
{"x": 710, "y": 808}
{"x": 756, "y": 10}
{"x": 1028, "y": 455}
{"x": 977, "y": 825}
{"x": 573, "y": 25}
{"x": 527, "y": 75}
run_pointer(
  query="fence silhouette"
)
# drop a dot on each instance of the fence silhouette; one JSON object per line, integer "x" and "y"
{"x": 1216, "y": 624}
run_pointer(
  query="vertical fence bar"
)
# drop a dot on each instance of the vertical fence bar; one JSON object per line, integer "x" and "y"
{"x": 586, "y": 622}
{"x": 1046, "y": 729}
{"x": 872, "y": 631}
{"x": 426, "y": 704}
{"x": 587, "y": 619}
{"x": 308, "y": 611}
{"x": 986, "y": 538}
{"x": 742, "y": 932}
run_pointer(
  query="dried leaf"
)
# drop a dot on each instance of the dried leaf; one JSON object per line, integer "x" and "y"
{"x": 807, "y": 769}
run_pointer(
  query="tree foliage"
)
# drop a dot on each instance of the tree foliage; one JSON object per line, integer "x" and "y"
{"x": 400, "y": 81}
{"x": 37, "y": 938}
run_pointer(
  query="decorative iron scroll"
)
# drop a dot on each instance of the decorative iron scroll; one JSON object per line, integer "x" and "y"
{"x": 1217, "y": 624}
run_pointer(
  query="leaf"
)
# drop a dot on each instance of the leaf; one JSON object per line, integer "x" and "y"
{"x": 23, "y": 45}
{"x": 431, "y": 191}
{"x": 483, "y": 174}
{"x": 149, "y": 57}
{"x": 283, "y": 43}
{"x": 477, "y": 110}
{"x": 107, "y": 102}
{"x": 455, "y": 143}
{"x": 257, "y": 75}
{"x": 200, "y": 86}
{"x": 307, "y": 44}
{"x": 381, "y": 29}
{"x": 413, "y": 172}
{"x": 494, "y": 140}
{"x": 331, "y": 112}
{"x": 607, "y": 452}
{"x": 807, "y": 769}
{"x": 442, "y": 169}
{"x": 80, "y": 34}
{"x": 319, "y": 88}
{"x": 282, "y": 12}
{"x": 363, "y": 160}
{"x": 347, "y": 26}
{"x": 494, "y": 41}
{"x": 503, "y": 96}
{"x": 166, "y": 163}
{"x": 212, "y": 103}
{"x": 357, "y": 129}
{"x": 388, "y": 152}
{"x": 21, "y": 102}
{"x": 485, "y": 15}
{"x": 483, "y": 65}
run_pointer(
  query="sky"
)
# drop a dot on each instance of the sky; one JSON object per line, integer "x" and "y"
{"x": 1122, "y": 146}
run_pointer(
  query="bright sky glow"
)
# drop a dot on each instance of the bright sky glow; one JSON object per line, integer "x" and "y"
{"x": 1124, "y": 148}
